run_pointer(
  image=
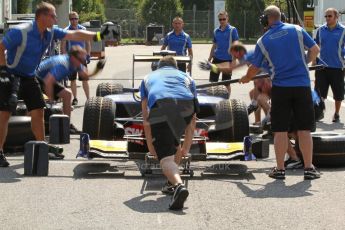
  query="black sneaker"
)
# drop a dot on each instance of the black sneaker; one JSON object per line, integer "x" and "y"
{"x": 73, "y": 129}
{"x": 168, "y": 188}
{"x": 252, "y": 108}
{"x": 311, "y": 174}
{"x": 336, "y": 118}
{"x": 75, "y": 101}
{"x": 277, "y": 173}
{"x": 179, "y": 197}
{"x": 3, "y": 161}
{"x": 293, "y": 164}
{"x": 56, "y": 156}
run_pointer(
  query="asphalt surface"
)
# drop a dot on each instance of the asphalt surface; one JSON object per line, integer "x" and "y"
{"x": 96, "y": 194}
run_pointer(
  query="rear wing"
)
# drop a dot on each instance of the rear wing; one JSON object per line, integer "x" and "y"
{"x": 156, "y": 58}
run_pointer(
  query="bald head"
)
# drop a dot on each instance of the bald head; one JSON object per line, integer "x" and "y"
{"x": 273, "y": 12}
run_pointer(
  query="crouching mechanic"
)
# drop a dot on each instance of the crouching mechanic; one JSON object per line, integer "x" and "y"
{"x": 57, "y": 68}
{"x": 168, "y": 100}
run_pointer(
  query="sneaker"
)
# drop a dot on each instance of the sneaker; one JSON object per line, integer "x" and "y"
{"x": 336, "y": 118}
{"x": 293, "y": 164}
{"x": 311, "y": 173}
{"x": 168, "y": 188}
{"x": 3, "y": 161}
{"x": 56, "y": 156}
{"x": 277, "y": 173}
{"x": 73, "y": 129}
{"x": 180, "y": 196}
{"x": 252, "y": 108}
{"x": 75, "y": 101}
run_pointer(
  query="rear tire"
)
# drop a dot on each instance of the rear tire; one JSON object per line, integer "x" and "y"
{"x": 232, "y": 123}
{"x": 218, "y": 91}
{"x": 98, "y": 120}
{"x": 19, "y": 132}
{"x": 105, "y": 89}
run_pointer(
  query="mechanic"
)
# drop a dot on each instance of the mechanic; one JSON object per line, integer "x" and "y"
{"x": 169, "y": 105}
{"x": 290, "y": 86}
{"x": 56, "y": 68}
{"x": 331, "y": 39}
{"x": 24, "y": 46}
{"x": 260, "y": 95}
{"x": 66, "y": 46}
{"x": 223, "y": 38}
{"x": 179, "y": 41}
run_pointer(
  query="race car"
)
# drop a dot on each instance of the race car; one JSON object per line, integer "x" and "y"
{"x": 113, "y": 122}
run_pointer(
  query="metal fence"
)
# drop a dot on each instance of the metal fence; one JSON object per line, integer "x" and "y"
{"x": 198, "y": 24}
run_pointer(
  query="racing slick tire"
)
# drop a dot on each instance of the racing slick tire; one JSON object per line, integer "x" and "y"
{"x": 98, "y": 119}
{"x": 19, "y": 132}
{"x": 105, "y": 89}
{"x": 218, "y": 91}
{"x": 328, "y": 149}
{"x": 232, "y": 123}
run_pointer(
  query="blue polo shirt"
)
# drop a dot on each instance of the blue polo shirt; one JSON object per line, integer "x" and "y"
{"x": 249, "y": 58}
{"x": 167, "y": 82}
{"x": 178, "y": 43}
{"x": 69, "y": 44}
{"x": 25, "y": 47}
{"x": 223, "y": 39}
{"x": 59, "y": 66}
{"x": 332, "y": 44}
{"x": 283, "y": 47}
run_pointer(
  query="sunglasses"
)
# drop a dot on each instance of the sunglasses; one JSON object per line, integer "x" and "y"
{"x": 328, "y": 16}
{"x": 54, "y": 16}
{"x": 71, "y": 19}
{"x": 222, "y": 19}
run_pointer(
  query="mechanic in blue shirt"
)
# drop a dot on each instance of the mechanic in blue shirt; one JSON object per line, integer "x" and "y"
{"x": 55, "y": 69}
{"x": 66, "y": 46}
{"x": 283, "y": 46}
{"x": 223, "y": 38}
{"x": 331, "y": 39}
{"x": 179, "y": 41}
{"x": 24, "y": 47}
{"x": 168, "y": 107}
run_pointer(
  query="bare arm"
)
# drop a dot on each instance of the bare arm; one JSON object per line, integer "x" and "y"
{"x": 147, "y": 127}
{"x": 312, "y": 53}
{"x": 63, "y": 47}
{"x": 163, "y": 47}
{"x": 80, "y": 35}
{"x": 212, "y": 52}
{"x": 251, "y": 72}
{"x": 2, "y": 55}
{"x": 49, "y": 82}
{"x": 88, "y": 47}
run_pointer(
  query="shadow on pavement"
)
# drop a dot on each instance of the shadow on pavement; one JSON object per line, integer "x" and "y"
{"x": 9, "y": 174}
{"x": 150, "y": 203}
{"x": 276, "y": 189}
{"x": 329, "y": 127}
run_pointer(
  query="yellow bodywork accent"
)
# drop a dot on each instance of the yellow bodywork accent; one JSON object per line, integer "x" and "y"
{"x": 109, "y": 146}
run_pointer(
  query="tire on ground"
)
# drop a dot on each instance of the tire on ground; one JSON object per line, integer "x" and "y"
{"x": 232, "y": 123}
{"x": 19, "y": 131}
{"x": 328, "y": 149}
{"x": 105, "y": 89}
{"x": 218, "y": 91}
{"x": 99, "y": 115}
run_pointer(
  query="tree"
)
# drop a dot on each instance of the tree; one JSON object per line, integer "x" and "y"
{"x": 160, "y": 12}
{"x": 122, "y": 4}
{"x": 244, "y": 15}
{"x": 200, "y": 4}
{"x": 89, "y": 10}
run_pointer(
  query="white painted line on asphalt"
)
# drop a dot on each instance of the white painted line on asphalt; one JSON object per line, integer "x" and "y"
{"x": 159, "y": 219}
{"x": 332, "y": 100}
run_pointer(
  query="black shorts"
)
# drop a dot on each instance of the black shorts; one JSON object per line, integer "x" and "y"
{"x": 327, "y": 77}
{"x": 29, "y": 91}
{"x": 73, "y": 77}
{"x": 168, "y": 120}
{"x": 58, "y": 87}
{"x": 182, "y": 67}
{"x": 291, "y": 100}
{"x": 214, "y": 77}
